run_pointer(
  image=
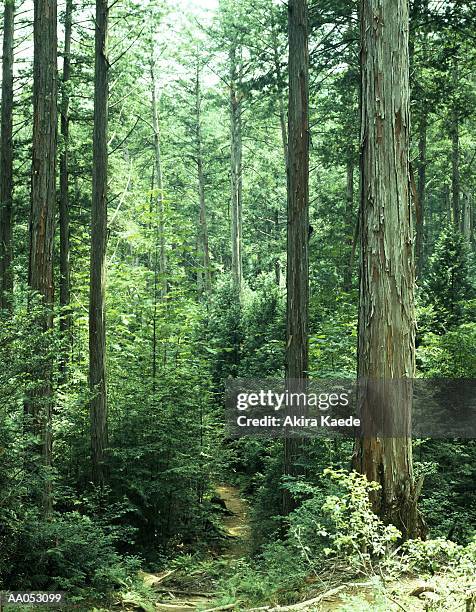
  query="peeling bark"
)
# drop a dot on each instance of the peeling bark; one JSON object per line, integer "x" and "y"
{"x": 297, "y": 340}
{"x": 42, "y": 217}
{"x": 387, "y": 318}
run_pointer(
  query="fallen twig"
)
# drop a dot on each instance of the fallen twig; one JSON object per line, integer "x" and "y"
{"x": 152, "y": 580}
{"x": 310, "y": 602}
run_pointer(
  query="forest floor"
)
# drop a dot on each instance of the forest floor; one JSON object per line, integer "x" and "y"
{"x": 182, "y": 590}
{"x": 236, "y": 525}
{"x": 182, "y": 594}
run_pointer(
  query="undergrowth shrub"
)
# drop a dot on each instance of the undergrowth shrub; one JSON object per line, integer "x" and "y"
{"x": 343, "y": 525}
{"x": 68, "y": 553}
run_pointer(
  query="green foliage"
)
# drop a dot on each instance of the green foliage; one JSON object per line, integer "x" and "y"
{"x": 70, "y": 552}
{"x": 332, "y": 350}
{"x": 448, "y": 499}
{"x": 224, "y": 328}
{"x": 264, "y": 322}
{"x": 168, "y": 357}
{"x": 451, "y": 355}
{"x": 343, "y": 525}
{"x": 449, "y": 284}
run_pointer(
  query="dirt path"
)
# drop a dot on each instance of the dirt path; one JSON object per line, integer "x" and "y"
{"x": 236, "y": 528}
{"x": 236, "y": 525}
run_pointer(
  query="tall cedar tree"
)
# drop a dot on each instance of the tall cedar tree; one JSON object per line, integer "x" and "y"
{"x": 43, "y": 205}
{"x": 387, "y": 319}
{"x": 97, "y": 323}
{"x": 6, "y": 158}
{"x": 64, "y": 188}
{"x": 297, "y": 342}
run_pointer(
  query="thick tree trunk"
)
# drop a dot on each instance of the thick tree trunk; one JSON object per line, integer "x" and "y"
{"x": 97, "y": 318}
{"x": 43, "y": 204}
{"x": 420, "y": 217}
{"x": 162, "y": 267}
{"x": 236, "y": 170}
{"x": 297, "y": 344}
{"x": 6, "y": 158}
{"x": 387, "y": 320}
{"x": 65, "y": 321}
{"x": 203, "y": 224}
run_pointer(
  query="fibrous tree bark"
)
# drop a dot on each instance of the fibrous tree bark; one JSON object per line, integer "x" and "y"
{"x": 64, "y": 216}
{"x": 6, "y": 158}
{"x": 42, "y": 218}
{"x": 97, "y": 318}
{"x": 386, "y": 350}
{"x": 297, "y": 342}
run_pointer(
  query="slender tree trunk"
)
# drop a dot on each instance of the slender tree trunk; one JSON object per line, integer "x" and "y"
{"x": 160, "y": 188}
{"x": 97, "y": 317}
{"x": 387, "y": 318}
{"x": 6, "y": 158}
{"x": 203, "y": 225}
{"x": 447, "y": 203}
{"x": 154, "y": 262}
{"x": 42, "y": 218}
{"x": 471, "y": 224}
{"x": 455, "y": 154}
{"x": 236, "y": 157}
{"x": 349, "y": 214}
{"x": 466, "y": 221}
{"x": 279, "y": 83}
{"x": 297, "y": 345}
{"x": 282, "y": 124}
{"x": 420, "y": 217}
{"x": 455, "y": 174}
{"x": 421, "y": 16}
{"x": 65, "y": 321}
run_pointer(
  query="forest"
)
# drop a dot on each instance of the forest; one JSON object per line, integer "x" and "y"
{"x": 198, "y": 194}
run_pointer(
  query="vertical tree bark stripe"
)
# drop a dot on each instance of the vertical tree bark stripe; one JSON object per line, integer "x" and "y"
{"x": 39, "y": 405}
{"x": 6, "y": 158}
{"x": 64, "y": 215}
{"x": 97, "y": 322}
{"x": 297, "y": 341}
